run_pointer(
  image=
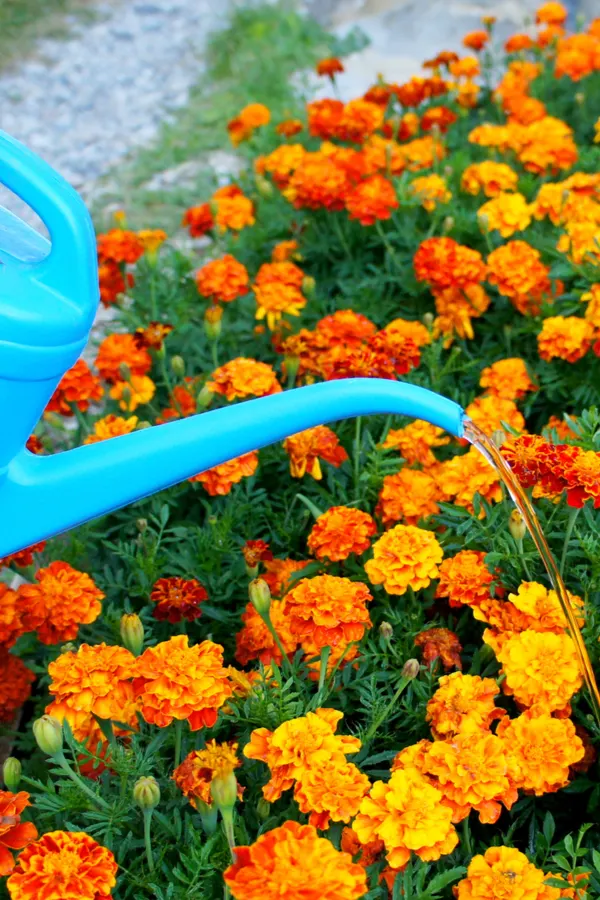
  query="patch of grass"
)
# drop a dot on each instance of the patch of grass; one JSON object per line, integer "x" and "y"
{"x": 251, "y": 60}
{"x": 22, "y": 22}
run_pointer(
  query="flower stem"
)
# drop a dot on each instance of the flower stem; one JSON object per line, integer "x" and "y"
{"x": 568, "y": 534}
{"x": 519, "y": 543}
{"x": 375, "y": 726}
{"x": 357, "y": 439}
{"x": 60, "y": 760}
{"x": 147, "y": 839}
{"x": 227, "y": 816}
{"x": 273, "y": 632}
{"x": 178, "y": 737}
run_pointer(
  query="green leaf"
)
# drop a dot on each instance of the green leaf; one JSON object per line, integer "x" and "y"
{"x": 443, "y": 879}
{"x": 549, "y": 827}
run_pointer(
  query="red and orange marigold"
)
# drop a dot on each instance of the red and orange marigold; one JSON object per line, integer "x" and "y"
{"x": 241, "y": 378}
{"x": 218, "y": 481}
{"x": 307, "y": 448}
{"x": 194, "y": 775}
{"x": 339, "y": 532}
{"x": 63, "y": 600}
{"x": 14, "y": 834}
{"x": 177, "y": 599}
{"x": 223, "y": 280}
{"x": 463, "y": 703}
{"x": 465, "y": 579}
{"x": 15, "y": 685}
{"x": 255, "y": 640}
{"x": 327, "y": 610}
{"x": 78, "y": 387}
{"x": 119, "y": 350}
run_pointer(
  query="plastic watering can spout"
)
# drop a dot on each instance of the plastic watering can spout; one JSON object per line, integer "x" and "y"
{"x": 48, "y": 298}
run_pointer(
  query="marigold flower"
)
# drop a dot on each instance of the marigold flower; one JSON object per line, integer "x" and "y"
{"x": 133, "y": 393}
{"x": 281, "y": 163}
{"x": 466, "y": 67}
{"x": 367, "y": 853}
{"x": 462, "y": 477}
{"x": 284, "y": 251}
{"x": 241, "y": 378}
{"x": 112, "y": 282}
{"x": 14, "y": 834}
{"x": 359, "y": 119}
{"x": 111, "y": 426}
{"x": 516, "y": 43}
{"x": 77, "y": 387}
{"x": 384, "y": 356}
{"x": 15, "y": 685}
{"x": 540, "y": 749}
{"x": 456, "y": 307}
{"x": 339, "y": 532}
{"x": 507, "y": 379}
{"x": 255, "y": 640}
{"x": 255, "y": 552}
{"x": 276, "y": 299}
{"x": 439, "y": 117}
{"x": 506, "y": 213}
{"x": 223, "y": 280}
{"x": 463, "y": 703}
{"x": 415, "y": 442}
{"x": 235, "y": 212}
{"x": 465, "y": 579}
{"x": 251, "y": 117}
{"x": 542, "y": 608}
{"x": 580, "y": 242}
{"x": 119, "y": 246}
{"x": 518, "y": 272}
{"x": 546, "y": 144}
{"x": 177, "y": 599}
{"x": 440, "y": 643}
{"x": 118, "y": 350}
{"x": 292, "y": 861}
{"x": 279, "y": 574}
{"x": 407, "y": 815}
{"x": 405, "y": 556}
{"x": 430, "y": 190}
{"x": 307, "y": 448}
{"x": 219, "y": 480}
{"x": 62, "y": 863}
{"x": 289, "y": 127}
{"x": 183, "y": 402}
{"x": 23, "y": 558}
{"x": 489, "y": 412}
{"x": 409, "y": 496}
{"x": 551, "y": 13}
{"x": 421, "y": 153}
{"x": 324, "y": 117}
{"x": 329, "y": 66}
{"x": 493, "y": 178}
{"x": 372, "y": 200}
{"x": 318, "y": 182}
{"x": 503, "y": 872}
{"x": 327, "y": 609}
{"x": 11, "y": 626}
{"x": 63, "y": 600}
{"x": 199, "y": 220}
{"x": 476, "y": 40}
{"x": 194, "y": 775}
{"x": 444, "y": 264}
{"x": 331, "y": 792}
{"x": 176, "y": 681}
{"x": 565, "y": 337}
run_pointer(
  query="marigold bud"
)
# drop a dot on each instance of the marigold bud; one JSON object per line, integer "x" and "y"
{"x": 516, "y": 525}
{"x": 411, "y": 668}
{"x": 308, "y": 286}
{"x": 178, "y": 366}
{"x": 223, "y": 790}
{"x": 146, "y": 792}
{"x": 141, "y": 525}
{"x": 264, "y": 187}
{"x": 142, "y": 425}
{"x": 11, "y": 773}
{"x": 260, "y": 596}
{"x": 48, "y": 733}
{"x": 447, "y": 224}
{"x": 386, "y": 631}
{"x": 579, "y": 98}
{"x": 428, "y": 320}
{"x": 204, "y": 399}
{"x": 132, "y": 633}
{"x": 292, "y": 364}
{"x": 212, "y": 322}
{"x": 124, "y": 371}
{"x": 498, "y": 437}
{"x": 263, "y": 809}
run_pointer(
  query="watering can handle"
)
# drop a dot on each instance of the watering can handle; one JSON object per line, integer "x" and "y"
{"x": 71, "y": 262}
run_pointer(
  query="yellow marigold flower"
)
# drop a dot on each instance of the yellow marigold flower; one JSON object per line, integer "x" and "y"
{"x": 463, "y": 703}
{"x": 232, "y": 209}
{"x": 328, "y": 609}
{"x": 592, "y": 310}
{"x": 408, "y": 816}
{"x": 506, "y": 213}
{"x": 540, "y": 749}
{"x": 275, "y": 299}
{"x": 580, "y": 242}
{"x": 194, "y": 775}
{"x": 241, "y": 378}
{"x": 461, "y": 477}
{"x": 412, "y": 757}
{"x": 111, "y": 426}
{"x": 63, "y": 600}
{"x": 507, "y": 379}
{"x": 542, "y": 607}
{"x": 493, "y": 178}
{"x": 541, "y": 669}
{"x": 331, "y": 792}
{"x": 306, "y": 448}
{"x": 133, "y": 393}
{"x": 152, "y": 239}
{"x": 281, "y": 163}
{"x": 406, "y": 556}
{"x": 403, "y": 328}
{"x": 339, "y": 532}
{"x": 490, "y": 413}
{"x": 565, "y": 337}
{"x": 455, "y": 308}
{"x": 409, "y": 496}
{"x": 176, "y": 681}
{"x": 487, "y": 135}
{"x": 503, "y": 873}
{"x": 415, "y": 442}
{"x": 465, "y": 579}
{"x": 292, "y": 861}
{"x": 430, "y": 190}
{"x": 471, "y": 771}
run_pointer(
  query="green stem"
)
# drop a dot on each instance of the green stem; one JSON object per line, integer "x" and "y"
{"x": 84, "y": 428}
{"x": 178, "y": 737}
{"x": 153, "y": 307}
{"x": 341, "y": 235}
{"x": 357, "y": 439}
{"x": 519, "y": 544}
{"x": 147, "y": 839}
{"x": 404, "y": 682}
{"x": 215, "y": 355}
{"x": 60, "y": 760}
{"x": 568, "y": 534}
{"x": 390, "y": 250}
{"x": 227, "y": 816}
{"x": 273, "y": 632}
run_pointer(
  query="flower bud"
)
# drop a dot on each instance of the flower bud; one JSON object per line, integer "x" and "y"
{"x": 516, "y": 525}
{"x": 142, "y": 425}
{"x": 49, "y": 735}
{"x": 386, "y": 631}
{"x": 447, "y": 224}
{"x": 260, "y": 596}
{"x": 308, "y": 286}
{"x": 411, "y": 668}
{"x": 178, "y": 366}
{"x": 124, "y": 372}
{"x": 498, "y": 437}
{"x": 120, "y": 218}
{"x": 11, "y": 773}
{"x": 579, "y": 98}
{"x": 204, "y": 399}
{"x": 263, "y": 809}
{"x": 223, "y": 790}
{"x": 132, "y": 633}
{"x": 69, "y": 647}
{"x": 292, "y": 364}
{"x": 428, "y": 320}
{"x": 141, "y": 525}
{"x": 263, "y": 186}
{"x": 146, "y": 792}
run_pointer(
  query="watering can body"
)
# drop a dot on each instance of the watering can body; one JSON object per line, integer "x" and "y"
{"x": 48, "y": 299}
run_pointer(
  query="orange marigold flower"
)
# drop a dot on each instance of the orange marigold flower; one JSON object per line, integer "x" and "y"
{"x": 133, "y": 393}
{"x": 430, "y": 190}
{"x": 119, "y": 246}
{"x": 152, "y": 239}
{"x": 111, "y": 426}
{"x": 547, "y": 143}
{"x": 565, "y": 337}
{"x": 194, "y": 775}
{"x": 384, "y": 356}
{"x": 463, "y": 703}
{"x": 346, "y": 327}
{"x": 519, "y": 274}
{"x": 415, "y": 442}
{"x": 404, "y": 328}
{"x": 551, "y": 13}
{"x": 235, "y": 212}
{"x": 77, "y": 387}
{"x": 306, "y": 448}
{"x": 327, "y": 609}
{"x": 11, "y": 626}
{"x": 580, "y": 242}
{"x": 443, "y": 263}
{"x": 241, "y": 378}
{"x": 456, "y": 307}
{"x": 284, "y": 272}
{"x": 255, "y": 552}
{"x": 506, "y": 213}
{"x": 367, "y": 853}
{"x": 281, "y": 163}
{"x": 289, "y": 127}
{"x": 540, "y": 749}
{"x": 408, "y": 496}
{"x": 465, "y": 579}
{"x": 476, "y": 40}
{"x": 507, "y": 379}
{"x": 14, "y": 834}
{"x": 199, "y": 220}
{"x": 118, "y": 350}
{"x": 255, "y": 640}
{"x": 274, "y": 299}
{"x": 405, "y": 556}
{"x": 503, "y": 872}
{"x": 439, "y": 117}
{"x": 407, "y": 815}
{"x": 466, "y": 67}
{"x": 542, "y": 608}
{"x": 223, "y": 280}
{"x": 324, "y": 117}
{"x": 421, "y": 153}
{"x": 177, "y": 599}
{"x": 318, "y": 182}
{"x": 153, "y": 335}
{"x": 176, "y": 681}
{"x": 372, "y": 200}
{"x": 462, "y": 477}
{"x": 340, "y": 531}
{"x": 279, "y": 574}
{"x": 518, "y": 42}
{"x": 112, "y": 282}
{"x": 440, "y": 643}
{"x": 331, "y": 792}
{"x": 493, "y": 178}
{"x": 359, "y": 119}
{"x": 219, "y": 480}
{"x": 15, "y": 685}
{"x": 62, "y": 863}
{"x": 23, "y": 558}
{"x": 467, "y": 94}
{"x": 63, "y": 600}
{"x": 242, "y": 126}
{"x": 285, "y": 251}
{"x": 329, "y": 66}
{"x": 183, "y": 401}
{"x": 489, "y": 412}
{"x": 293, "y": 861}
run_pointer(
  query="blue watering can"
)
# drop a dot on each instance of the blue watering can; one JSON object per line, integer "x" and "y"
{"x": 48, "y": 300}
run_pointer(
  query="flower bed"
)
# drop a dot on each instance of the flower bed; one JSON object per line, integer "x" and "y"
{"x": 335, "y": 668}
